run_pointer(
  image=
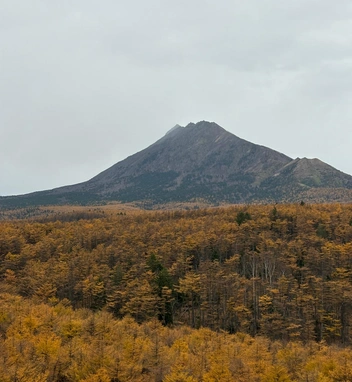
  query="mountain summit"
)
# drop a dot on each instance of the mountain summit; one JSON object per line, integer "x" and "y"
{"x": 204, "y": 161}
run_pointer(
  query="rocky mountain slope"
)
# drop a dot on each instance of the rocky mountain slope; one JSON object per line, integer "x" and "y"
{"x": 203, "y": 161}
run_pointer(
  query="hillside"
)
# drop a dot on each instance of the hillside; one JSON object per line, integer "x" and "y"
{"x": 203, "y": 161}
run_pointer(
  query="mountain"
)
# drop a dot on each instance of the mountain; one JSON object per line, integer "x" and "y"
{"x": 203, "y": 161}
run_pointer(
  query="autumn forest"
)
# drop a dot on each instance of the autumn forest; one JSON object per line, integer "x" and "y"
{"x": 242, "y": 293}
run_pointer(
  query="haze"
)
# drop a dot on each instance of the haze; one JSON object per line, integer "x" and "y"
{"x": 84, "y": 84}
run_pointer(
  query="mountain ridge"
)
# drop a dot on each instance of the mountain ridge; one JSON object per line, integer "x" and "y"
{"x": 202, "y": 161}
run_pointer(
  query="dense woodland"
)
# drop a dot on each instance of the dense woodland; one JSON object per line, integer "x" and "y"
{"x": 252, "y": 293}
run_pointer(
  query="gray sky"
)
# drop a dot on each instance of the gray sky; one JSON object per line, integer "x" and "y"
{"x": 84, "y": 84}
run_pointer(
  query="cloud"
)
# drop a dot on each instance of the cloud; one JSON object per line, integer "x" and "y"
{"x": 83, "y": 85}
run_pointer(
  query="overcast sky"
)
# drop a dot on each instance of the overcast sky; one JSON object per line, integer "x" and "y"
{"x": 84, "y": 84}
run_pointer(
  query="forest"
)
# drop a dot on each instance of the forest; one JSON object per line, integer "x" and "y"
{"x": 242, "y": 293}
